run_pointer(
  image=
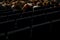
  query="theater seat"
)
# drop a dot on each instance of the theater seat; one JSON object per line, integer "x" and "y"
{"x": 38, "y": 29}
{"x": 8, "y": 8}
{"x": 23, "y": 23}
{"x": 11, "y": 26}
{"x": 53, "y": 16}
{"x": 37, "y": 7}
{"x": 48, "y": 10}
{"x": 3, "y": 18}
{"x": 11, "y": 16}
{"x": 1, "y": 7}
{"x": 3, "y": 27}
{"x": 26, "y": 14}
{"x": 37, "y": 12}
{"x": 21, "y": 34}
{"x": 39, "y": 19}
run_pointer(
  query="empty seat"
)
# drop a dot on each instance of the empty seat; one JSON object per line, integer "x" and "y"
{"x": 37, "y": 12}
{"x": 12, "y": 16}
{"x": 26, "y": 14}
{"x": 3, "y": 27}
{"x": 3, "y": 13}
{"x": 39, "y": 19}
{"x": 37, "y": 7}
{"x": 43, "y": 28}
{"x": 24, "y": 23}
{"x": 48, "y": 10}
{"x": 53, "y": 16}
{"x": 1, "y": 7}
{"x": 25, "y": 34}
{"x": 11, "y": 26}
{"x": 3, "y": 18}
{"x": 8, "y": 8}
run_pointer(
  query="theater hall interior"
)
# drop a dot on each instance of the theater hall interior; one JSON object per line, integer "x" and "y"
{"x": 26, "y": 19}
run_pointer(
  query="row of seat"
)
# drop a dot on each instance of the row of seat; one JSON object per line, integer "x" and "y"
{"x": 31, "y": 33}
{"x": 33, "y": 9}
{"x": 17, "y": 24}
{"x": 43, "y": 19}
{"x": 11, "y": 22}
{"x": 14, "y": 15}
{"x": 7, "y": 17}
